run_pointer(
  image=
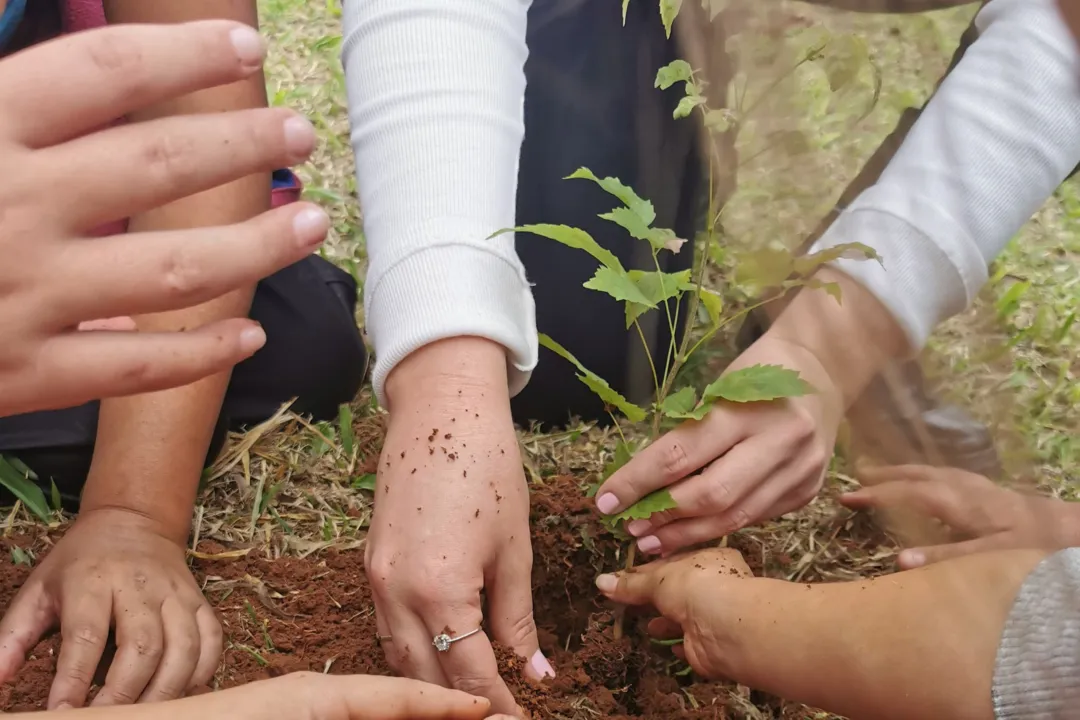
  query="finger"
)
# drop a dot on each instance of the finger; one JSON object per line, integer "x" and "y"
{"x": 510, "y": 611}
{"x": 147, "y": 273}
{"x": 211, "y": 644}
{"x": 395, "y": 698}
{"x": 117, "y": 324}
{"x": 470, "y": 665}
{"x": 877, "y": 475}
{"x": 640, "y": 587}
{"x": 674, "y": 456}
{"x": 26, "y": 621}
{"x": 81, "y": 367}
{"x": 140, "y": 648}
{"x": 662, "y": 628}
{"x": 62, "y": 89}
{"x": 409, "y": 650}
{"x": 153, "y": 163}
{"x": 719, "y": 488}
{"x": 181, "y": 654}
{"x": 942, "y": 501}
{"x": 920, "y": 557}
{"x": 84, "y": 630}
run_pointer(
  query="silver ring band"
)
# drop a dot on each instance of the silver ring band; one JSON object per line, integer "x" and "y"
{"x": 442, "y": 641}
{"x": 383, "y": 638}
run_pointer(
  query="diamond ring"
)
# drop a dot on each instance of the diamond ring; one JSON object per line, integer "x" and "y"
{"x": 443, "y": 641}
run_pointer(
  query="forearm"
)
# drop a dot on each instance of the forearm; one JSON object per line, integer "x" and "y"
{"x": 151, "y": 448}
{"x": 916, "y": 644}
{"x": 436, "y": 94}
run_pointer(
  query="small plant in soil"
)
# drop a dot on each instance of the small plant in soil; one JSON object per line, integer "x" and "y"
{"x": 642, "y": 291}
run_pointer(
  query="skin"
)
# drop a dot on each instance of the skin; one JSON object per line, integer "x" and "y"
{"x": 150, "y": 447}
{"x": 855, "y": 649}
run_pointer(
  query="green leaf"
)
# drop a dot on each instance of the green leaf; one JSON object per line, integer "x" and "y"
{"x": 676, "y": 71}
{"x": 570, "y": 237}
{"x": 596, "y": 383}
{"x": 687, "y": 105}
{"x": 345, "y": 428}
{"x": 678, "y": 404}
{"x": 807, "y": 264}
{"x": 658, "y": 238}
{"x": 656, "y": 287}
{"x": 623, "y": 454}
{"x": 669, "y": 10}
{"x": 845, "y": 57}
{"x": 713, "y": 304}
{"x": 646, "y": 507}
{"x": 619, "y": 286}
{"x": 24, "y": 489}
{"x": 720, "y": 120}
{"x": 830, "y": 288}
{"x": 365, "y": 482}
{"x": 625, "y": 7}
{"x": 20, "y": 556}
{"x": 764, "y": 267}
{"x": 637, "y": 205}
{"x": 759, "y": 383}
{"x": 57, "y": 501}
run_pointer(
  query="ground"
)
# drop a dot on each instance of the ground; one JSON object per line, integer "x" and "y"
{"x": 279, "y": 529}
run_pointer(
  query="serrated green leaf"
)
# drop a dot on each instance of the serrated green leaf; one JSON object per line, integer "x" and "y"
{"x": 596, "y": 383}
{"x": 807, "y": 264}
{"x": 657, "y": 287}
{"x": 845, "y": 57}
{"x": 758, "y": 383}
{"x": 646, "y": 507}
{"x": 687, "y": 105}
{"x": 713, "y": 304}
{"x": 570, "y": 237}
{"x": 614, "y": 186}
{"x": 623, "y": 454}
{"x": 658, "y": 238}
{"x": 669, "y": 10}
{"x": 831, "y": 288}
{"x": 24, "y": 489}
{"x": 365, "y": 482}
{"x": 764, "y": 267}
{"x": 676, "y": 71}
{"x": 619, "y": 286}
{"x": 679, "y": 403}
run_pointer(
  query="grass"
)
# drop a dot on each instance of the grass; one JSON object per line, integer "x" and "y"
{"x": 292, "y": 487}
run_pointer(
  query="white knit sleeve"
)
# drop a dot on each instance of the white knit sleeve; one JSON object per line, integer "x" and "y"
{"x": 436, "y": 103}
{"x": 1000, "y": 135}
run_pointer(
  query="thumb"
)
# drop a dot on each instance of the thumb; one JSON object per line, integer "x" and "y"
{"x": 510, "y": 610}
{"x": 920, "y": 557}
{"x": 24, "y": 624}
{"x": 862, "y": 499}
{"x": 642, "y": 587}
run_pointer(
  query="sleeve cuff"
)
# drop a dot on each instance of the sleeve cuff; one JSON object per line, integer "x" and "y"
{"x": 452, "y": 290}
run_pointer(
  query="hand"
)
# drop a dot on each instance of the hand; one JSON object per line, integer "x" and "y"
{"x": 689, "y": 592}
{"x": 55, "y": 276}
{"x": 756, "y": 461}
{"x": 982, "y": 515}
{"x": 451, "y": 520}
{"x": 113, "y": 568}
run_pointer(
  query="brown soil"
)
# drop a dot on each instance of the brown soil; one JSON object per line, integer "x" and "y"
{"x": 315, "y": 613}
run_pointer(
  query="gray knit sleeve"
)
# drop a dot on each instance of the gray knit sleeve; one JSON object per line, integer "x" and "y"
{"x": 1037, "y": 671}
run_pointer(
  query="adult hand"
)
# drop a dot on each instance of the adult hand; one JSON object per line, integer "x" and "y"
{"x": 981, "y": 515}
{"x": 115, "y": 569}
{"x": 54, "y": 276}
{"x": 689, "y": 593}
{"x": 451, "y": 520}
{"x": 741, "y": 464}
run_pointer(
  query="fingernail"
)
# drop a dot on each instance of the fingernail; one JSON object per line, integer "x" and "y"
{"x": 311, "y": 226}
{"x": 249, "y": 46}
{"x": 540, "y": 666}
{"x": 912, "y": 559}
{"x": 607, "y": 503}
{"x": 650, "y": 544}
{"x": 637, "y": 528}
{"x": 607, "y": 583}
{"x": 252, "y": 338}
{"x": 299, "y": 137}
{"x": 65, "y": 706}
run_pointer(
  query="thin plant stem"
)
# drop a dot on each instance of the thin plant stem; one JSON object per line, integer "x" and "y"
{"x": 648, "y": 354}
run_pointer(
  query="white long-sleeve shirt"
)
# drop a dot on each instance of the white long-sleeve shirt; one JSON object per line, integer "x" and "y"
{"x": 436, "y": 93}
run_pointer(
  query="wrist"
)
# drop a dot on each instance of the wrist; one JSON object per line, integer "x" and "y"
{"x": 454, "y": 370}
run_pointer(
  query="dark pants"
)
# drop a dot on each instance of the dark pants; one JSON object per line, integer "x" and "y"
{"x": 590, "y": 102}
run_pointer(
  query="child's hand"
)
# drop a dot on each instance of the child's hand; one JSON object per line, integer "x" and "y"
{"x": 55, "y": 274}
{"x": 689, "y": 592}
{"x": 981, "y": 515}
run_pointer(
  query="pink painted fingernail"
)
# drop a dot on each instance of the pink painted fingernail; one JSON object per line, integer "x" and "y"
{"x": 311, "y": 225}
{"x": 540, "y": 666}
{"x": 607, "y": 583}
{"x": 249, "y": 46}
{"x": 607, "y": 503}
{"x": 637, "y": 528}
{"x": 252, "y": 338}
{"x": 649, "y": 545}
{"x": 65, "y": 706}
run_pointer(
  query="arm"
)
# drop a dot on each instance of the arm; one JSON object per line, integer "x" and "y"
{"x": 436, "y": 95}
{"x": 999, "y": 136}
{"x": 161, "y": 439}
